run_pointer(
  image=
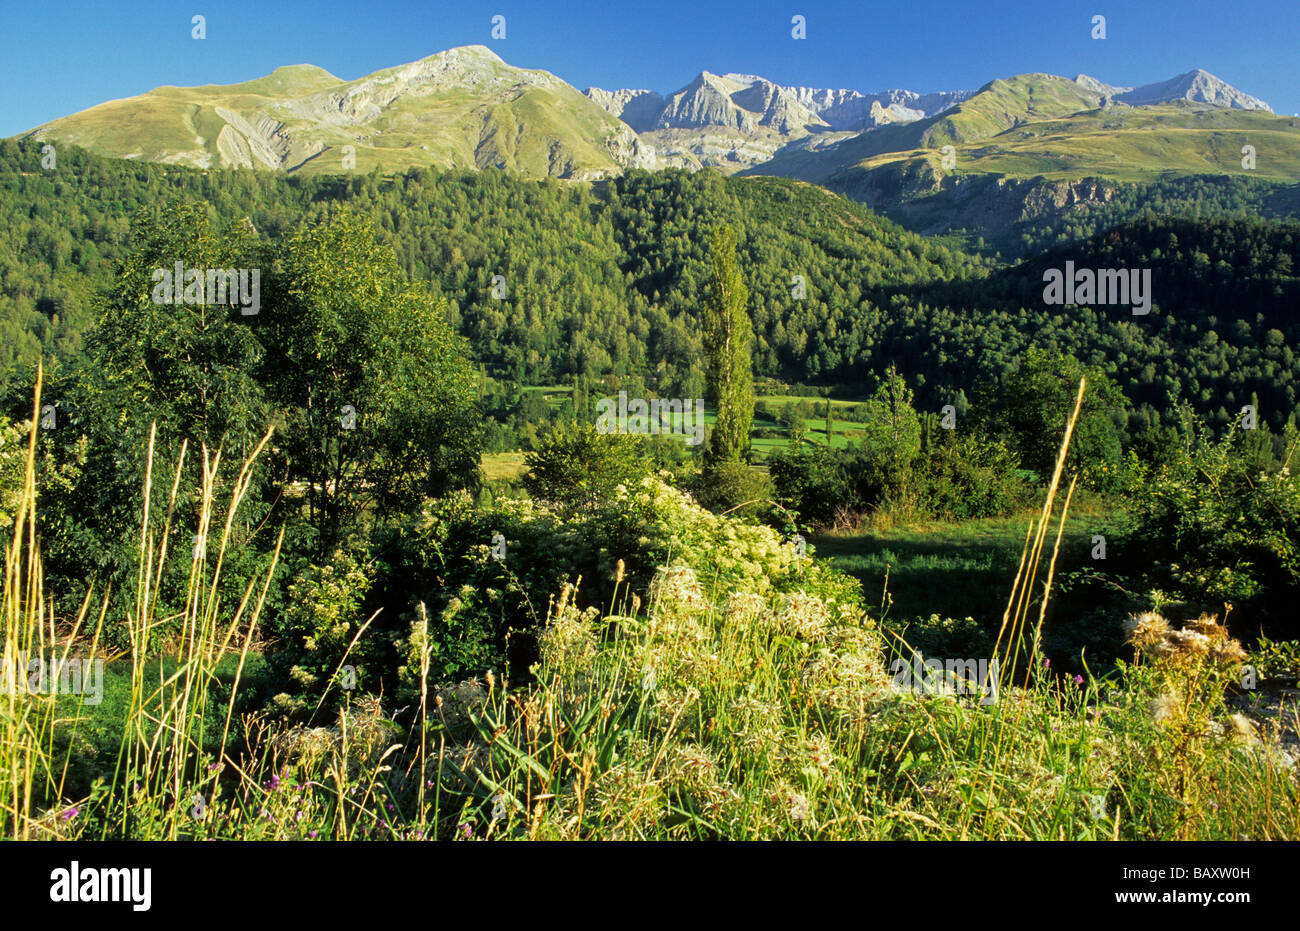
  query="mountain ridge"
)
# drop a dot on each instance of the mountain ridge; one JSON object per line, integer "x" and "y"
{"x": 462, "y": 107}
{"x": 466, "y": 107}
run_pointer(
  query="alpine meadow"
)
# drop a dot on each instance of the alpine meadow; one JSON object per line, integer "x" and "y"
{"x": 451, "y": 453}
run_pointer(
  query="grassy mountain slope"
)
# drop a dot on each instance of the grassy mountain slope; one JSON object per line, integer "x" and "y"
{"x": 463, "y": 108}
{"x": 1034, "y": 149}
{"x": 1127, "y": 144}
{"x": 998, "y": 106}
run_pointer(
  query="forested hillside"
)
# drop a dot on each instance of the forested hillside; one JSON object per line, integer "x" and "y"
{"x": 605, "y": 280}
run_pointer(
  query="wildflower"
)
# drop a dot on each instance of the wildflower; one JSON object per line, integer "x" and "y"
{"x": 466, "y": 830}
{"x": 1078, "y": 680}
{"x": 1147, "y": 629}
{"x": 1242, "y": 727}
{"x": 1191, "y": 642}
{"x": 1164, "y": 708}
{"x": 799, "y": 808}
{"x": 1228, "y": 652}
{"x": 69, "y": 814}
{"x": 273, "y": 783}
{"x": 311, "y": 834}
{"x": 618, "y": 572}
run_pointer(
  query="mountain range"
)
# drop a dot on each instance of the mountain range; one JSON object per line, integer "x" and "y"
{"x": 465, "y": 108}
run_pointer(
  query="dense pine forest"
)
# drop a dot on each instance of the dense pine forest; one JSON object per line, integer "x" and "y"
{"x": 605, "y": 280}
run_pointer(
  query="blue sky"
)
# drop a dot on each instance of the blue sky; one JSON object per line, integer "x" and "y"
{"x": 57, "y": 58}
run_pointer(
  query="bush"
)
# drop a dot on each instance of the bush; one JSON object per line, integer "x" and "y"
{"x": 1218, "y": 529}
{"x": 576, "y": 465}
{"x": 481, "y": 574}
{"x": 812, "y": 481}
{"x": 947, "y": 637}
{"x": 968, "y": 477}
{"x": 735, "y": 487}
{"x": 322, "y": 615}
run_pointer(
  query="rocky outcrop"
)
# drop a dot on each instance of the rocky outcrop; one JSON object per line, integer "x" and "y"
{"x": 1198, "y": 86}
{"x": 246, "y": 143}
{"x": 637, "y": 108}
{"x": 735, "y": 121}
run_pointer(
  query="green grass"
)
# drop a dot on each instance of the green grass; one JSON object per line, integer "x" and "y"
{"x": 1127, "y": 144}
{"x": 955, "y": 570}
{"x": 503, "y": 466}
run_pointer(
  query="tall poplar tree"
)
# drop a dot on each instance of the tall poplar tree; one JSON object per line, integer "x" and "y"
{"x": 728, "y": 340}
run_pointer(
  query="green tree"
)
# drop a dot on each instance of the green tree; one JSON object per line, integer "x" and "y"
{"x": 167, "y": 347}
{"x": 377, "y": 391}
{"x": 577, "y": 465}
{"x": 891, "y": 441}
{"x": 728, "y": 338}
{"x": 1038, "y": 400}
{"x": 165, "y": 353}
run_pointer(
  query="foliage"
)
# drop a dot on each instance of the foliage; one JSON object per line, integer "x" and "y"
{"x": 1038, "y": 399}
{"x": 968, "y": 475}
{"x": 577, "y": 465}
{"x": 890, "y": 445}
{"x": 813, "y": 481}
{"x": 196, "y": 383}
{"x": 1218, "y": 528}
{"x": 609, "y": 279}
{"x": 12, "y": 456}
{"x": 736, "y": 488}
{"x": 940, "y": 636}
{"x": 318, "y": 628}
{"x": 376, "y": 390}
{"x": 727, "y": 339}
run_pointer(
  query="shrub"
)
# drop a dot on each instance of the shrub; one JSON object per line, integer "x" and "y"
{"x": 481, "y": 608}
{"x": 812, "y": 481}
{"x": 949, "y": 637}
{"x": 970, "y": 476}
{"x": 321, "y": 617}
{"x": 576, "y": 465}
{"x": 1218, "y": 529}
{"x": 736, "y": 487}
